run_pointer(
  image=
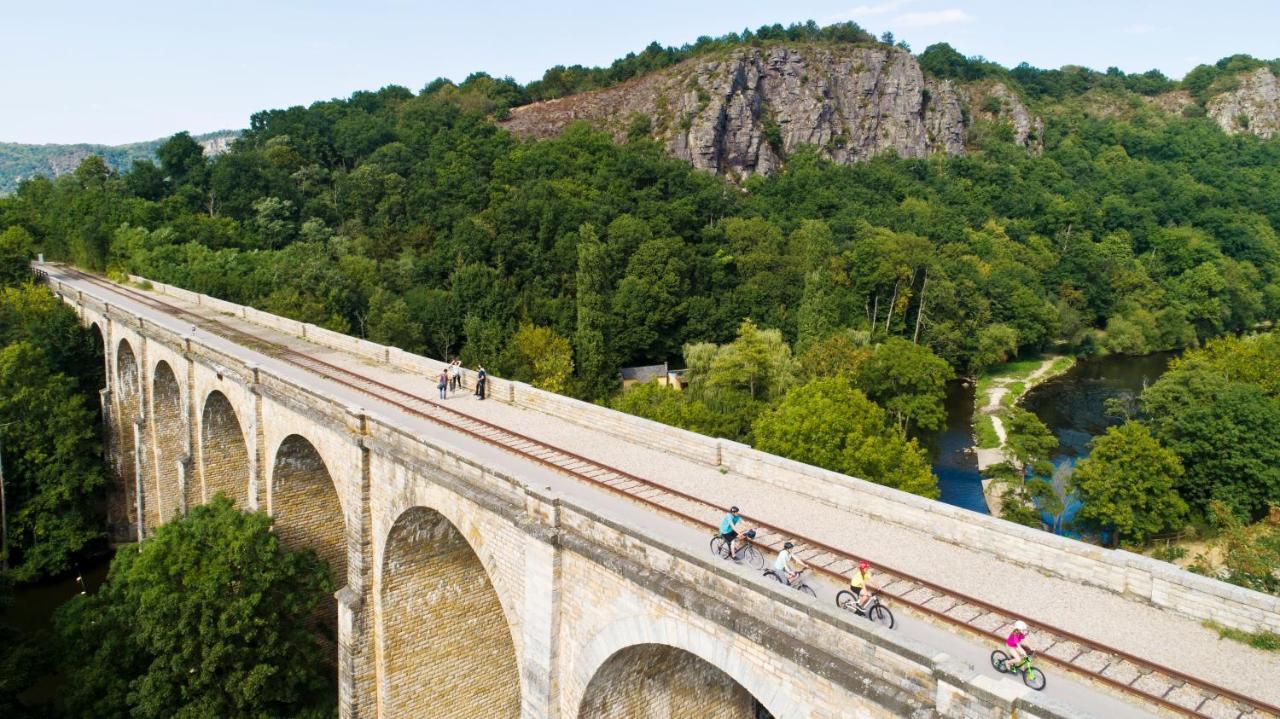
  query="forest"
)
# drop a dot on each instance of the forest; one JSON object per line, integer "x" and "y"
{"x": 415, "y": 220}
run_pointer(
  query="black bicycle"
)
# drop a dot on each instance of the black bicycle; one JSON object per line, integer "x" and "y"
{"x": 875, "y": 611}
{"x": 747, "y": 551}
{"x": 799, "y": 584}
{"x": 1031, "y": 675}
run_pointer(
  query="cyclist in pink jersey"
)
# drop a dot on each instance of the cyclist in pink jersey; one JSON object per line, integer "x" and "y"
{"x": 1014, "y": 643}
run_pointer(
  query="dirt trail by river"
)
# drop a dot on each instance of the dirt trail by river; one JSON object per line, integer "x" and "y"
{"x": 996, "y": 399}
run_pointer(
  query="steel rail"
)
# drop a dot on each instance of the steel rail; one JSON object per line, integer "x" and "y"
{"x": 361, "y": 384}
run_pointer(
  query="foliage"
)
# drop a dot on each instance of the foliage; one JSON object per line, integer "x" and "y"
{"x": 1126, "y": 485}
{"x": 828, "y": 423}
{"x": 838, "y": 355}
{"x": 1207, "y": 408}
{"x": 907, "y": 380}
{"x": 539, "y": 356}
{"x": 211, "y": 616}
{"x": 1028, "y": 440}
{"x": 756, "y": 363}
{"x": 1250, "y": 553}
{"x": 16, "y": 250}
{"x": 1266, "y": 641}
{"x": 48, "y": 433}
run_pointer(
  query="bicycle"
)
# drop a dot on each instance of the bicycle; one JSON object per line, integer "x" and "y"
{"x": 799, "y": 584}
{"x": 875, "y": 611}
{"x": 1031, "y": 676}
{"x": 746, "y": 552}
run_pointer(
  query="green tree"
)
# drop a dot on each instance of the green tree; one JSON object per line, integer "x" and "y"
{"x": 16, "y": 251}
{"x": 391, "y": 323}
{"x": 1126, "y": 485}
{"x": 828, "y": 423}
{"x": 594, "y": 368}
{"x": 757, "y": 362}
{"x": 839, "y": 355}
{"x": 539, "y": 356}
{"x": 53, "y": 473}
{"x": 996, "y": 343}
{"x": 819, "y": 313}
{"x": 1250, "y": 552}
{"x": 23, "y": 659}
{"x": 1028, "y": 440}
{"x": 909, "y": 381}
{"x": 211, "y": 616}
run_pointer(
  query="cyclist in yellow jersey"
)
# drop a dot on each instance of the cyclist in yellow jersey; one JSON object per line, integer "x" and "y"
{"x": 860, "y": 584}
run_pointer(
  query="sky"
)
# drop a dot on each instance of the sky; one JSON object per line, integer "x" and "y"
{"x": 140, "y": 69}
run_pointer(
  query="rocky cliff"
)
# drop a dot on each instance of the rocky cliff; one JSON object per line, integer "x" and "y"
{"x": 1254, "y": 106}
{"x": 741, "y": 112}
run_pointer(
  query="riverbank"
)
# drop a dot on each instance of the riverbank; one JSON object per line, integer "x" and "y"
{"x": 998, "y": 390}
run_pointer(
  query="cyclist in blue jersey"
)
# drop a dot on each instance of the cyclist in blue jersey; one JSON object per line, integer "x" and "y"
{"x": 729, "y": 529}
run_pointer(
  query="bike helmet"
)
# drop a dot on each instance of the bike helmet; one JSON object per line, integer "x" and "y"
{"x": 751, "y": 534}
{"x": 1020, "y": 626}
{"x": 733, "y": 509}
{"x": 788, "y": 545}
{"x": 863, "y": 565}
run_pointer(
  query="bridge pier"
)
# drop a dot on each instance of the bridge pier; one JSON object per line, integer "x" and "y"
{"x": 541, "y": 610}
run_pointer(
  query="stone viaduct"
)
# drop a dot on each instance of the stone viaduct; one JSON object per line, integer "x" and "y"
{"x": 469, "y": 588}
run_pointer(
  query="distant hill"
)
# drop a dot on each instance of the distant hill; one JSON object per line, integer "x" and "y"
{"x": 19, "y": 162}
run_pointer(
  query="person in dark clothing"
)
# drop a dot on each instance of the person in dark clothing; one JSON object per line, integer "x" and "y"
{"x": 482, "y": 379}
{"x": 443, "y": 384}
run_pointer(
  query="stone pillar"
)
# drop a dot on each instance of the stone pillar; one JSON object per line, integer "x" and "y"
{"x": 258, "y": 495}
{"x": 357, "y": 673}
{"x": 136, "y": 426}
{"x": 184, "y": 468}
{"x": 541, "y": 610}
{"x": 192, "y": 476}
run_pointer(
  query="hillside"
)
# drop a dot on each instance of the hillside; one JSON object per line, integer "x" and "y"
{"x": 741, "y": 110}
{"x": 19, "y": 162}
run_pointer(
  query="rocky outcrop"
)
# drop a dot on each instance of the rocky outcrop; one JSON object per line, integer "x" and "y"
{"x": 741, "y": 112}
{"x": 1253, "y": 107}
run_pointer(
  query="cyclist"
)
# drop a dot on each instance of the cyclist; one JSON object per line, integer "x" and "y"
{"x": 739, "y": 542}
{"x": 860, "y": 584}
{"x": 1014, "y": 643}
{"x": 783, "y": 564}
{"x": 729, "y": 529}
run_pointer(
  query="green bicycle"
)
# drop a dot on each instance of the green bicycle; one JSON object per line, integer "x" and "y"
{"x": 1031, "y": 676}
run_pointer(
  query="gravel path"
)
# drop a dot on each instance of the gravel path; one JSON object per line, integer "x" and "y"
{"x": 1140, "y": 629}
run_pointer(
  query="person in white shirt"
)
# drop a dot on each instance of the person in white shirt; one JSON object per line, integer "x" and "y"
{"x": 789, "y": 564}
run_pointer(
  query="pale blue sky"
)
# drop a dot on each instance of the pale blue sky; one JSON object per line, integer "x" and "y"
{"x": 116, "y": 72}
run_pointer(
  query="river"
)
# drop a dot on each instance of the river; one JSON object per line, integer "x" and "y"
{"x": 1072, "y": 405}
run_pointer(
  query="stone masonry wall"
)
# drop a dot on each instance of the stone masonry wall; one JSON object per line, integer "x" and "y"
{"x": 224, "y": 455}
{"x": 661, "y": 682}
{"x": 448, "y": 650}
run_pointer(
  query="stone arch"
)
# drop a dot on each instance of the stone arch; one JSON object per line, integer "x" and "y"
{"x": 224, "y": 454}
{"x": 446, "y": 642}
{"x": 308, "y": 513}
{"x": 662, "y": 668}
{"x": 170, "y": 425}
{"x": 122, "y": 514}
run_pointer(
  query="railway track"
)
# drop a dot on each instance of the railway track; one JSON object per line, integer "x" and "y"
{"x": 1160, "y": 686}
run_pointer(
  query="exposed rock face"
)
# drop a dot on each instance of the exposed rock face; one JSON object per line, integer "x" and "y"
{"x": 740, "y": 113}
{"x": 1252, "y": 107}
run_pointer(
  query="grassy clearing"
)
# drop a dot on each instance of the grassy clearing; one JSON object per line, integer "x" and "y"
{"x": 1016, "y": 389}
{"x": 1017, "y": 369}
{"x": 986, "y": 431}
{"x": 1060, "y": 365}
{"x": 1265, "y": 641}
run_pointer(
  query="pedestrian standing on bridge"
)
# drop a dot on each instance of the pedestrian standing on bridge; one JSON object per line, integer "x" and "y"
{"x": 482, "y": 378}
{"x": 443, "y": 384}
{"x": 455, "y": 374}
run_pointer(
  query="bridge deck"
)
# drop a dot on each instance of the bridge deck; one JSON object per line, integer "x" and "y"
{"x": 1140, "y": 629}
